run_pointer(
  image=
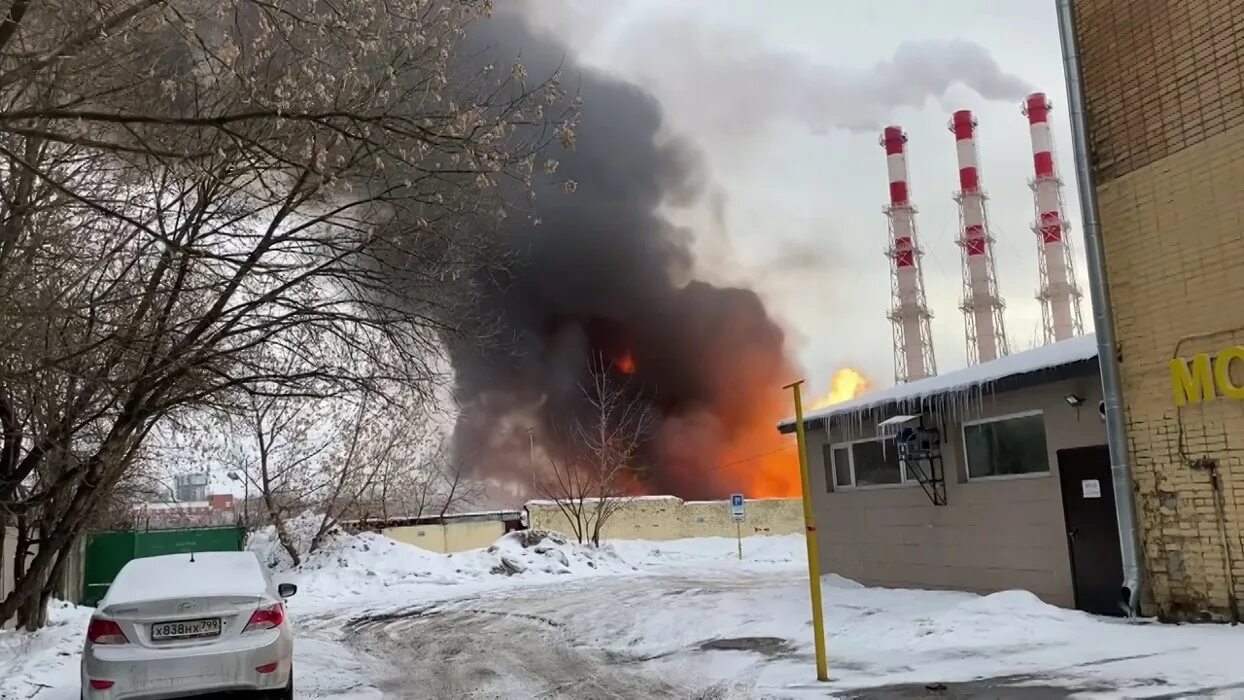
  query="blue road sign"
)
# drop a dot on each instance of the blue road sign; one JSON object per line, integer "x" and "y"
{"x": 736, "y": 506}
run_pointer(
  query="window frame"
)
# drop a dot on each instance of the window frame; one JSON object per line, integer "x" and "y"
{"x": 833, "y": 466}
{"x": 834, "y": 446}
{"x": 967, "y": 467}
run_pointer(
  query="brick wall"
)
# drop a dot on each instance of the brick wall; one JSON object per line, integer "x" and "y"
{"x": 1159, "y": 76}
{"x": 1165, "y": 89}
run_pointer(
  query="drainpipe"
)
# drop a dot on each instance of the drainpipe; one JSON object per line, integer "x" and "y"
{"x": 1103, "y": 318}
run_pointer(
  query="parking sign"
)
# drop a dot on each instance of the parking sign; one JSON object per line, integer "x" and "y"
{"x": 736, "y": 507}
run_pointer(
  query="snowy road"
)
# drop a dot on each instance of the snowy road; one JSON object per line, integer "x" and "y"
{"x": 541, "y": 643}
{"x": 729, "y": 632}
{"x": 689, "y": 621}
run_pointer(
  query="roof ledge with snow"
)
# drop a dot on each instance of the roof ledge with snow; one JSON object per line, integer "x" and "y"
{"x": 1013, "y": 371}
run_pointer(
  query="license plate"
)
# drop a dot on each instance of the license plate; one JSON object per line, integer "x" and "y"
{"x": 185, "y": 629}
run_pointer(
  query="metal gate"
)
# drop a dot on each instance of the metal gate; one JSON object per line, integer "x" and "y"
{"x": 107, "y": 552}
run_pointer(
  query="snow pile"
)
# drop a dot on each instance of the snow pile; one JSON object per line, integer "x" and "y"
{"x": 834, "y": 581}
{"x": 539, "y": 551}
{"x": 975, "y": 623}
{"x": 266, "y": 544}
{"x": 369, "y": 555}
{"x": 350, "y": 563}
{"x": 751, "y": 629}
{"x": 31, "y": 663}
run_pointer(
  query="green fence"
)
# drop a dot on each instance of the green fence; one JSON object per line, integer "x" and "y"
{"x": 107, "y": 552}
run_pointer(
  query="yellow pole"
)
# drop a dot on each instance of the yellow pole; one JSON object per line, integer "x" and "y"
{"x": 809, "y": 522}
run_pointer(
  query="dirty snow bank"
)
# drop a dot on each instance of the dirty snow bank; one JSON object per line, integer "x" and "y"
{"x": 751, "y": 630}
{"x": 354, "y": 563}
{"x": 32, "y": 663}
{"x": 370, "y": 557}
{"x": 543, "y": 552}
{"x": 899, "y": 636}
{"x": 267, "y": 545}
{"x": 347, "y": 562}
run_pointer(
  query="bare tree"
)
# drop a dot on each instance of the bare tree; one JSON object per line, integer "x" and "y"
{"x": 346, "y": 458}
{"x": 329, "y": 457}
{"x": 432, "y": 484}
{"x": 205, "y": 202}
{"x": 601, "y": 471}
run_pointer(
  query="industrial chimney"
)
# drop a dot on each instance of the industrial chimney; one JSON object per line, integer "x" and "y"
{"x": 984, "y": 330}
{"x": 1059, "y": 295}
{"x": 913, "y": 341}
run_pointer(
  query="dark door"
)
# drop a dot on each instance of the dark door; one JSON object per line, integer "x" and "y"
{"x": 1092, "y": 529}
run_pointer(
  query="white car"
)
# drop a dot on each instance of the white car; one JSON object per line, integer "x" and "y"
{"x": 181, "y": 625}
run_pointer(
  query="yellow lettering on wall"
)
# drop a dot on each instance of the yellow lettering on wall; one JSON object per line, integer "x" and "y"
{"x": 1222, "y": 372}
{"x": 1192, "y": 380}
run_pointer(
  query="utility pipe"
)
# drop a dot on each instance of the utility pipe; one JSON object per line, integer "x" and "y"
{"x": 810, "y": 536}
{"x": 1103, "y": 317}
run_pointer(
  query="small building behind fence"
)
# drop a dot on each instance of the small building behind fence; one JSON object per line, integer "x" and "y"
{"x": 456, "y": 532}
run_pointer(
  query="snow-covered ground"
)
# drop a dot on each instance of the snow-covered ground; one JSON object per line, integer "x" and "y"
{"x": 536, "y": 616}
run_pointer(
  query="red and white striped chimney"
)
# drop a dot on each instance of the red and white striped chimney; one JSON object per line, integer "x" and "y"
{"x": 984, "y": 330}
{"x": 913, "y": 339}
{"x": 1059, "y": 294}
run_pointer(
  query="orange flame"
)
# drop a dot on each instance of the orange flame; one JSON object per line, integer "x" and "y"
{"x": 625, "y": 364}
{"x": 756, "y": 459}
{"x": 847, "y": 384}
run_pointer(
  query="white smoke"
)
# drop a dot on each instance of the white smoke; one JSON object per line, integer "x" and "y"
{"x": 717, "y": 79}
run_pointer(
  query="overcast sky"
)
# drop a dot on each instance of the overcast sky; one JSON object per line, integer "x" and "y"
{"x": 786, "y": 100}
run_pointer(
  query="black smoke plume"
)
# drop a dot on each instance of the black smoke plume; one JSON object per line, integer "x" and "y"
{"x": 601, "y": 272}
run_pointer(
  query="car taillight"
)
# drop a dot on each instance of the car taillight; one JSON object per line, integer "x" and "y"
{"x": 105, "y": 632}
{"x": 266, "y": 618}
{"x": 97, "y": 684}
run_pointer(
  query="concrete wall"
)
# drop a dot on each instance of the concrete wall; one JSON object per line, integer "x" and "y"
{"x": 453, "y": 537}
{"x": 993, "y": 534}
{"x": 1162, "y": 81}
{"x": 669, "y": 518}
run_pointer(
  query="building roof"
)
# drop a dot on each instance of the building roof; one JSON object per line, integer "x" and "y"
{"x": 414, "y": 520}
{"x": 548, "y": 502}
{"x": 1034, "y": 365}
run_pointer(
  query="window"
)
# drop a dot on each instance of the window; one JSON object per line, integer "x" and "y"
{"x": 866, "y": 463}
{"x": 1006, "y": 447}
{"x": 876, "y": 463}
{"x": 842, "y": 466}
{"x": 837, "y": 466}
